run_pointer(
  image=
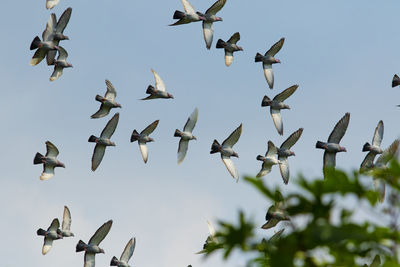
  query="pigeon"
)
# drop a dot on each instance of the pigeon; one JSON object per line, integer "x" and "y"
{"x": 60, "y": 64}
{"x": 373, "y": 149}
{"x": 332, "y": 146}
{"x": 395, "y": 81}
{"x": 269, "y": 160}
{"x": 186, "y": 135}
{"x": 209, "y": 18}
{"x": 268, "y": 59}
{"x": 376, "y": 262}
{"x": 66, "y": 224}
{"x": 52, "y": 233}
{"x": 126, "y": 255}
{"x": 276, "y": 105}
{"x": 49, "y": 161}
{"x": 92, "y": 248}
{"x": 143, "y": 138}
{"x": 284, "y": 152}
{"x": 103, "y": 141}
{"x": 159, "y": 91}
{"x": 230, "y": 47}
{"x": 190, "y": 14}
{"x": 107, "y": 102}
{"x": 211, "y": 239}
{"x": 51, "y": 3}
{"x": 276, "y": 213}
{"x": 227, "y": 152}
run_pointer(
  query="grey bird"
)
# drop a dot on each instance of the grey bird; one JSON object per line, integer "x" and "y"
{"x": 186, "y": 135}
{"x": 227, "y": 152}
{"x": 159, "y": 91}
{"x": 268, "y": 59}
{"x": 60, "y": 64}
{"x": 144, "y": 138}
{"x": 209, "y": 18}
{"x": 269, "y": 160}
{"x": 107, "y": 102}
{"x": 276, "y": 213}
{"x": 52, "y": 233}
{"x": 66, "y": 224}
{"x": 126, "y": 255}
{"x": 374, "y": 148}
{"x": 276, "y": 105}
{"x": 284, "y": 152}
{"x": 190, "y": 14}
{"x": 103, "y": 141}
{"x": 395, "y": 81}
{"x": 49, "y": 161}
{"x": 92, "y": 248}
{"x": 211, "y": 239}
{"x": 332, "y": 146}
{"x": 230, "y": 46}
{"x": 51, "y": 3}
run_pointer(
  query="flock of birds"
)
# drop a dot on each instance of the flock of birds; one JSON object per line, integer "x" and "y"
{"x": 49, "y": 46}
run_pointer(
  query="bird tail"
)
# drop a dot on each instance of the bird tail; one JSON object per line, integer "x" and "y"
{"x": 220, "y": 44}
{"x": 150, "y": 89}
{"x": 395, "y": 81}
{"x": 261, "y": 158}
{"x": 135, "y": 136}
{"x": 215, "y": 147}
{"x": 266, "y": 101}
{"x": 80, "y": 246}
{"x": 35, "y": 43}
{"x": 98, "y": 98}
{"x": 38, "y": 158}
{"x": 40, "y": 231}
{"x": 178, "y": 14}
{"x": 92, "y": 139}
{"x": 258, "y": 57}
{"x": 114, "y": 261}
{"x": 320, "y": 144}
{"x": 177, "y": 133}
{"x": 366, "y": 147}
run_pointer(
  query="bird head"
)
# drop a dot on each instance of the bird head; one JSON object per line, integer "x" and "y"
{"x": 102, "y": 250}
{"x": 343, "y": 149}
{"x": 277, "y": 60}
{"x": 150, "y": 139}
{"x": 194, "y": 137}
{"x": 218, "y": 19}
{"x": 119, "y": 105}
{"x": 240, "y": 48}
{"x": 69, "y": 65}
{"x": 292, "y": 153}
{"x": 60, "y": 164}
{"x": 235, "y": 155}
{"x": 170, "y": 96}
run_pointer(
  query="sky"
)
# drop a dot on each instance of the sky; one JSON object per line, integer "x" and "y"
{"x": 343, "y": 56}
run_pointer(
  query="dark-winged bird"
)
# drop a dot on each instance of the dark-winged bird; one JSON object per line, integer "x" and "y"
{"x": 52, "y": 233}
{"x": 284, "y": 152}
{"x": 144, "y": 138}
{"x": 159, "y": 91}
{"x": 107, "y": 102}
{"x": 49, "y": 161}
{"x": 209, "y": 18}
{"x": 126, "y": 255}
{"x": 230, "y": 46}
{"x": 190, "y": 14}
{"x": 186, "y": 135}
{"x": 60, "y": 64}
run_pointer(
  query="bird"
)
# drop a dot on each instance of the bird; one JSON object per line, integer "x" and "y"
{"x": 269, "y": 160}
{"x": 227, "y": 152}
{"x": 276, "y": 213}
{"x": 107, "y": 102}
{"x": 49, "y": 161}
{"x": 284, "y": 152}
{"x": 51, "y": 3}
{"x": 276, "y": 104}
{"x": 230, "y": 47}
{"x": 143, "y": 138}
{"x": 52, "y": 233}
{"x": 209, "y": 18}
{"x": 374, "y": 148}
{"x": 66, "y": 224}
{"x": 60, "y": 64}
{"x": 159, "y": 91}
{"x": 332, "y": 146}
{"x": 126, "y": 255}
{"x": 211, "y": 238}
{"x": 395, "y": 81}
{"x": 92, "y": 248}
{"x": 103, "y": 141}
{"x": 190, "y": 14}
{"x": 268, "y": 59}
{"x": 186, "y": 135}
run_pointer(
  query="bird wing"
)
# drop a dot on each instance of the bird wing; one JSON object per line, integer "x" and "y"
{"x": 191, "y": 122}
{"x": 109, "y": 130}
{"x": 217, "y": 6}
{"x": 329, "y": 159}
{"x": 265, "y": 169}
{"x": 388, "y": 153}
{"x": 144, "y": 151}
{"x": 234, "y": 38}
{"x": 182, "y": 149}
{"x": 208, "y": 33}
{"x": 292, "y": 139}
{"x": 101, "y": 233}
{"x": 56, "y": 73}
{"x": 270, "y": 223}
{"x": 189, "y": 9}
{"x": 378, "y": 135}
{"x": 160, "y": 85}
{"x": 230, "y": 166}
{"x": 48, "y": 172}
{"x": 275, "y": 48}
{"x": 111, "y": 92}
{"x": 52, "y": 150}
{"x": 150, "y": 97}
{"x": 368, "y": 161}
{"x": 286, "y": 93}
{"x": 47, "y": 244}
{"x": 269, "y": 74}
{"x": 284, "y": 168}
{"x": 62, "y": 53}
{"x": 47, "y": 34}
{"x": 66, "y": 224}
{"x": 271, "y": 151}
{"x": 149, "y": 129}
{"x": 55, "y": 224}
{"x": 211, "y": 229}
{"x": 228, "y": 58}
{"x": 97, "y": 157}
{"x": 102, "y": 112}
{"x": 277, "y": 118}
{"x": 38, "y": 56}
{"x": 128, "y": 251}
{"x": 51, "y": 3}
{"x": 89, "y": 259}
{"x": 233, "y": 138}
{"x": 339, "y": 130}
{"x": 63, "y": 21}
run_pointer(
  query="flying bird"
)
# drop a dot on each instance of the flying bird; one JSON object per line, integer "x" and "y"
{"x": 268, "y": 59}
{"x": 284, "y": 152}
{"x": 227, "y": 152}
{"x": 60, "y": 64}
{"x": 126, "y": 255}
{"x": 159, "y": 91}
{"x": 332, "y": 146}
{"x": 66, "y": 224}
{"x": 107, "y": 102}
{"x": 209, "y": 18}
{"x": 190, "y": 14}
{"x": 230, "y": 46}
{"x": 92, "y": 248}
{"x": 103, "y": 141}
{"x": 269, "y": 160}
{"x": 373, "y": 149}
{"x": 51, "y": 3}
{"x": 143, "y": 138}
{"x": 186, "y": 135}
{"x": 395, "y": 81}
{"x": 52, "y": 233}
{"x": 276, "y": 105}
{"x": 49, "y": 161}
{"x": 211, "y": 239}
{"x": 276, "y": 213}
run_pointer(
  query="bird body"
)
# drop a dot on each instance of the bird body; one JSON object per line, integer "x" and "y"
{"x": 374, "y": 148}
{"x": 276, "y": 213}
{"x": 107, "y": 102}
{"x": 230, "y": 46}
{"x": 269, "y": 160}
{"x": 143, "y": 138}
{"x": 52, "y": 233}
{"x": 186, "y": 135}
{"x": 159, "y": 90}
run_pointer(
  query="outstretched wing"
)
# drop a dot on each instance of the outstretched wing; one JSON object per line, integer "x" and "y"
{"x": 234, "y": 38}
{"x": 208, "y": 33}
{"x": 233, "y": 138}
{"x": 340, "y": 129}
{"x": 160, "y": 85}
{"x": 111, "y": 92}
{"x": 144, "y": 151}
{"x": 89, "y": 259}
{"x": 286, "y": 93}
{"x": 189, "y": 9}
{"x": 98, "y": 155}
{"x": 230, "y": 166}
{"x": 378, "y": 134}
{"x": 149, "y": 129}
{"x": 66, "y": 224}
{"x": 388, "y": 153}
{"x": 269, "y": 74}
{"x": 217, "y": 6}
{"x": 101, "y": 233}
{"x": 128, "y": 251}
{"x": 182, "y": 149}
{"x": 191, "y": 122}
{"x": 275, "y": 48}
{"x": 64, "y": 19}
{"x": 292, "y": 139}
{"x": 277, "y": 118}
{"x": 109, "y": 130}
{"x": 52, "y": 150}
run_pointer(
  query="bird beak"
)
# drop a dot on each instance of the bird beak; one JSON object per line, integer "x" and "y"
{"x": 66, "y": 37}
{"x": 240, "y": 48}
{"x": 278, "y": 61}
{"x": 194, "y": 137}
{"x": 62, "y": 165}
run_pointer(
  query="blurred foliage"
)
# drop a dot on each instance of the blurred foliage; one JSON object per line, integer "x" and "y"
{"x": 337, "y": 221}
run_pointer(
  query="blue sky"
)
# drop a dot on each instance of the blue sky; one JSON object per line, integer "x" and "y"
{"x": 343, "y": 55}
